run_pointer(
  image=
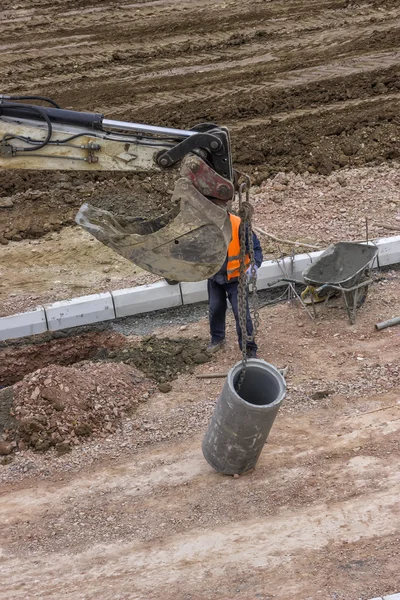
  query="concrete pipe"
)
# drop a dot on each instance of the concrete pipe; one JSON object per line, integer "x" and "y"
{"x": 240, "y": 424}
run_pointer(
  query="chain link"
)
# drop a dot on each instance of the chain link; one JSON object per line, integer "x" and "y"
{"x": 253, "y": 278}
{"x": 242, "y": 291}
{"x": 246, "y": 213}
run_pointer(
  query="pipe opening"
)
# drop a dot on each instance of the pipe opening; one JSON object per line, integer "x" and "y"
{"x": 260, "y": 386}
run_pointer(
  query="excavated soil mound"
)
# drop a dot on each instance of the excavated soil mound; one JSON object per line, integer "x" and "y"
{"x": 20, "y": 358}
{"x": 163, "y": 359}
{"x": 59, "y": 406}
{"x": 33, "y": 204}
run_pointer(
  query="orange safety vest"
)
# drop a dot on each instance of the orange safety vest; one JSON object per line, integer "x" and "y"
{"x": 233, "y": 266}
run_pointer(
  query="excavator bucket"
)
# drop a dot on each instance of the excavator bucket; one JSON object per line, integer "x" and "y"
{"x": 189, "y": 243}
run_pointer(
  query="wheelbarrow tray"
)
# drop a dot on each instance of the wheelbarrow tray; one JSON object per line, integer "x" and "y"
{"x": 342, "y": 264}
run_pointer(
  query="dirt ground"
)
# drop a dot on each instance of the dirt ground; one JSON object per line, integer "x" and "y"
{"x": 140, "y": 514}
{"x": 309, "y": 208}
{"x": 305, "y": 87}
{"x": 311, "y": 94}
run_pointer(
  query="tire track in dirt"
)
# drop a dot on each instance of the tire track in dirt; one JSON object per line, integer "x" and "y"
{"x": 89, "y": 61}
{"x": 359, "y": 103}
{"x": 184, "y": 560}
{"x": 177, "y": 63}
{"x": 301, "y": 77}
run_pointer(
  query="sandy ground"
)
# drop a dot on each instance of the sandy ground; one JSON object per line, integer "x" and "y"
{"x": 60, "y": 266}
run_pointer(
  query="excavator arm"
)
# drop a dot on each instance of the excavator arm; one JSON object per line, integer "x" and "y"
{"x": 189, "y": 243}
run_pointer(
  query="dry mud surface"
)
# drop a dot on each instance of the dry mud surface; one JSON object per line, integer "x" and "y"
{"x": 310, "y": 208}
{"x": 139, "y": 514}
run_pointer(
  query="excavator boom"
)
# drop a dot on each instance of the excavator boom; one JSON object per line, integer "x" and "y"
{"x": 189, "y": 243}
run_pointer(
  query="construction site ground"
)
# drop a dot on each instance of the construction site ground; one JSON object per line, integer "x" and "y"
{"x": 106, "y": 494}
{"x": 138, "y": 513}
{"x": 304, "y": 87}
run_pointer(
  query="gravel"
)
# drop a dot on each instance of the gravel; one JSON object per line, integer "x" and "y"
{"x": 59, "y": 406}
{"x": 147, "y": 323}
{"x": 321, "y": 210}
{"x": 374, "y": 379}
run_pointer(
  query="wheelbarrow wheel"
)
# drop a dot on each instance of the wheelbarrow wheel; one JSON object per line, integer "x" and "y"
{"x": 362, "y": 296}
{"x": 353, "y": 303}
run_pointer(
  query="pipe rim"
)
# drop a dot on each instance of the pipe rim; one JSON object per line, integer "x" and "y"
{"x": 260, "y": 363}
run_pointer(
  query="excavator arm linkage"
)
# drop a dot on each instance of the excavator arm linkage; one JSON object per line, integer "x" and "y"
{"x": 190, "y": 242}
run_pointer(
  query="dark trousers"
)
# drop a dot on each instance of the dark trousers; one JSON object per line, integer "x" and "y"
{"x": 217, "y": 305}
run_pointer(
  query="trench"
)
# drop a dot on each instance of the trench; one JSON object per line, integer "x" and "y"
{"x": 55, "y": 392}
{"x": 160, "y": 359}
{"x": 122, "y": 340}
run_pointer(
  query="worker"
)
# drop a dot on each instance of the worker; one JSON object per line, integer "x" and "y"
{"x": 224, "y": 285}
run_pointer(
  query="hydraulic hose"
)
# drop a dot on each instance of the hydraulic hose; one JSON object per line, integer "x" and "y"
{"x": 41, "y": 98}
{"x": 42, "y": 113}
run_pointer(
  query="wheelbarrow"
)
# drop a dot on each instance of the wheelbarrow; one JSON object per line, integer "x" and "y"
{"x": 343, "y": 268}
